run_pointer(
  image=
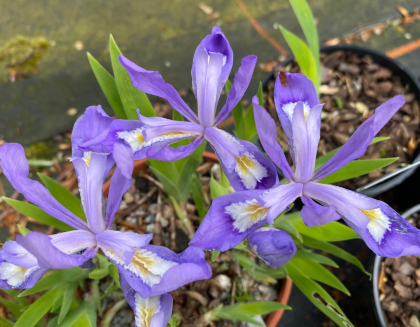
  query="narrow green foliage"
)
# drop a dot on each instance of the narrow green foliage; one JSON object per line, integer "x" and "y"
{"x": 5, "y": 323}
{"x": 308, "y": 255}
{"x": 23, "y": 230}
{"x": 36, "y": 213}
{"x": 132, "y": 99}
{"x": 217, "y": 189}
{"x": 68, "y": 296}
{"x": 63, "y": 195}
{"x": 214, "y": 255}
{"x": 109, "y": 87}
{"x": 14, "y": 307}
{"x": 197, "y": 193}
{"x": 82, "y": 316}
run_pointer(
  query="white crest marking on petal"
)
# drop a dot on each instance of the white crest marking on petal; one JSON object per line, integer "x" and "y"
{"x": 249, "y": 170}
{"x": 224, "y": 57}
{"x": 136, "y": 139}
{"x": 87, "y": 156}
{"x": 289, "y": 109}
{"x": 145, "y": 264}
{"x": 15, "y": 275}
{"x": 146, "y": 309}
{"x": 246, "y": 214}
{"x": 379, "y": 223}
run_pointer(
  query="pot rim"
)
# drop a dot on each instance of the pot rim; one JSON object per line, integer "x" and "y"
{"x": 286, "y": 287}
{"x": 375, "y": 280}
{"x": 406, "y": 77}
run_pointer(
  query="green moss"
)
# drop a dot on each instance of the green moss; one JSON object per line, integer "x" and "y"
{"x": 41, "y": 150}
{"x": 24, "y": 54}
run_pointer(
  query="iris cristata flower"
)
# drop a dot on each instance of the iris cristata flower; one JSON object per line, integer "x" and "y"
{"x": 149, "y": 270}
{"x": 233, "y": 217}
{"x": 246, "y": 167}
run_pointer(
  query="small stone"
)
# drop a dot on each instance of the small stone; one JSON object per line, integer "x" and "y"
{"x": 390, "y": 307}
{"x": 414, "y": 321}
{"x": 222, "y": 282}
{"x": 132, "y": 220}
{"x": 123, "y": 205}
{"x": 128, "y": 198}
{"x": 267, "y": 293}
{"x": 403, "y": 291}
{"x": 140, "y": 212}
{"x": 164, "y": 222}
{"x": 150, "y": 219}
{"x": 166, "y": 212}
{"x": 413, "y": 305}
{"x": 406, "y": 269}
{"x": 214, "y": 292}
{"x": 150, "y": 228}
{"x": 72, "y": 111}
{"x": 404, "y": 279}
{"x": 152, "y": 208}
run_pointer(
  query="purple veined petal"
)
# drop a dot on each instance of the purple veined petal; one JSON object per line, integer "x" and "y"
{"x": 277, "y": 199}
{"x": 267, "y": 134}
{"x": 153, "y": 311}
{"x": 244, "y": 165}
{"x": 296, "y": 88}
{"x": 314, "y": 214}
{"x": 157, "y": 126}
{"x": 230, "y": 220}
{"x": 90, "y": 174}
{"x": 90, "y": 130}
{"x": 155, "y": 270}
{"x": 215, "y": 42}
{"x": 361, "y": 138}
{"x": 208, "y": 69}
{"x": 49, "y": 256}
{"x": 388, "y": 234}
{"x": 306, "y": 134}
{"x": 15, "y": 254}
{"x": 151, "y": 82}
{"x": 122, "y": 244}
{"x": 167, "y": 153}
{"x": 120, "y": 180}
{"x": 16, "y": 276}
{"x": 275, "y": 247}
{"x": 350, "y": 205}
{"x": 253, "y": 170}
{"x": 239, "y": 86}
{"x": 74, "y": 241}
{"x": 16, "y": 169}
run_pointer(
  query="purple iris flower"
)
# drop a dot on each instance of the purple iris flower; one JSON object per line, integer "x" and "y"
{"x": 233, "y": 217}
{"x": 246, "y": 167}
{"x": 149, "y": 270}
{"x": 275, "y": 247}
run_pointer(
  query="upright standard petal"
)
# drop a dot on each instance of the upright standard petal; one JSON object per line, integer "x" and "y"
{"x": 306, "y": 134}
{"x": 216, "y": 43}
{"x": 48, "y": 255}
{"x": 152, "y": 83}
{"x": 153, "y": 311}
{"x": 239, "y": 86}
{"x": 289, "y": 89}
{"x": 90, "y": 174}
{"x": 361, "y": 138}
{"x": 275, "y": 247}
{"x": 16, "y": 169}
{"x": 18, "y": 268}
{"x": 230, "y": 219}
{"x": 244, "y": 165}
{"x": 90, "y": 130}
{"x": 267, "y": 134}
{"x": 155, "y": 270}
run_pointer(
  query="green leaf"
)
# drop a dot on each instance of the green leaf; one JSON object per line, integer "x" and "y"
{"x": 23, "y": 230}
{"x": 14, "y": 307}
{"x": 308, "y": 255}
{"x": 250, "y": 127}
{"x": 36, "y": 213}
{"x": 307, "y": 23}
{"x": 256, "y": 272}
{"x": 214, "y": 255}
{"x": 323, "y": 159}
{"x": 109, "y": 87}
{"x": 216, "y": 189}
{"x": 166, "y": 168}
{"x": 110, "y": 314}
{"x": 286, "y": 225}
{"x": 331, "y": 232}
{"x": 55, "y": 279}
{"x": 82, "y": 316}
{"x": 177, "y": 116}
{"x": 334, "y": 250}
{"x": 113, "y": 271}
{"x": 224, "y": 181}
{"x": 169, "y": 186}
{"x": 132, "y": 98}
{"x": 318, "y": 296}
{"x": 38, "y": 309}
{"x": 189, "y": 168}
{"x": 197, "y": 193}
{"x": 63, "y": 195}
{"x": 357, "y": 168}
{"x": 302, "y": 54}
{"x": 238, "y": 115}
{"x": 5, "y": 323}
{"x": 319, "y": 273}
{"x": 68, "y": 296}
{"x": 40, "y": 163}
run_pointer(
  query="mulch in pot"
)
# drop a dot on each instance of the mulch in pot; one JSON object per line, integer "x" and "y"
{"x": 351, "y": 88}
{"x": 399, "y": 286}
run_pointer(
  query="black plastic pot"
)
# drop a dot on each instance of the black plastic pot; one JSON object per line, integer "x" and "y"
{"x": 389, "y": 181}
{"x": 380, "y": 315}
